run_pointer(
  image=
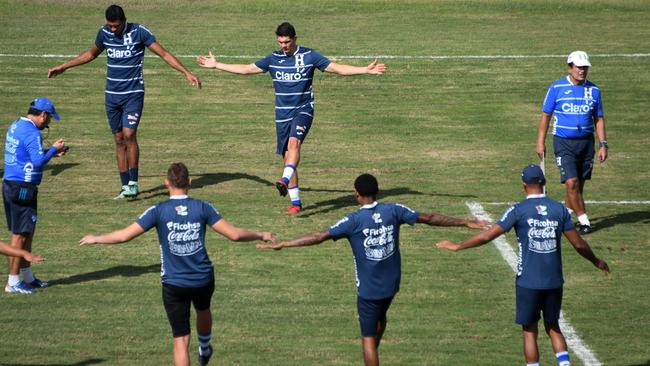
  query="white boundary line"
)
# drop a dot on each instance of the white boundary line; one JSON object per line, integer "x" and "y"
{"x": 589, "y": 202}
{"x": 381, "y": 57}
{"x": 577, "y": 345}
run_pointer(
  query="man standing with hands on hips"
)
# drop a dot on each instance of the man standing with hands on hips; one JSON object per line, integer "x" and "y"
{"x": 23, "y": 171}
{"x": 577, "y": 110}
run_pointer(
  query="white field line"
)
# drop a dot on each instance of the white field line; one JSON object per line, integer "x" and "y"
{"x": 380, "y": 57}
{"x": 577, "y": 345}
{"x": 632, "y": 202}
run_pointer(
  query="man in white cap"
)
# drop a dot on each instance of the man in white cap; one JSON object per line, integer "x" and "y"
{"x": 576, "y": 107}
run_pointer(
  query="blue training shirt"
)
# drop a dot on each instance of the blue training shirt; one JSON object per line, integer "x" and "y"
{"x": 292, "y": 79}
{"x": 180, "y": 222}
{"x": 124, "y": 57}
{"x": 539, "y": 223}
{"x": 24, "y": 154}
{"x": 373, "y": 233}
{"x": 575, "y": 108}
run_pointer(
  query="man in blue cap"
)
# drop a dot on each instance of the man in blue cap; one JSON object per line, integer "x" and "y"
{"x": 23, "y": 171}
{"x": 539, "y": 223}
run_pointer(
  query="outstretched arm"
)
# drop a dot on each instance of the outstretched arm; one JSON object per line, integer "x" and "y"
{"x": 475, "y": 241}
{"x": 210, "y": 62}
{"x": 583, "y": 248}
{"x": 116, "y": 237}
{"x": 305, "y": 240}
{"x": 172, "y": 61}
{"x": 83, "y": 58}
{"x": 234, "y": 233}
{"x": 15, "y": 252}
{"x": 435, "y": 219}
{"x": 372, "y": 69}
{"x": 544, "y": 122}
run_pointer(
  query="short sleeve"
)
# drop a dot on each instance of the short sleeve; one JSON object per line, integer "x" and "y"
{"x": 264, "y": 63}
{"x": 508, "y": 219}
{"x": 406, "y": 214}
{"x": 148, "y": 218}
{"x": 343, "y": 228}
{"x": 99, "y": 39}
{"x": 211, "y": 214}
{"x": 320, "y": 61}
{"x": 599, "y": 110}
{"x": 145, "y": 36}
{"x": 549, "y": 101}
{"x": 567, "y": 224}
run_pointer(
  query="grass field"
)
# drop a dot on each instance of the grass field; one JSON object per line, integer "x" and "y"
{"x": 437, "y": 132}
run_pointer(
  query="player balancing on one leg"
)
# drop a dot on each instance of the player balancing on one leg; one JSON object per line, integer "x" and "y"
{"x": 292, "y": 70}
{"x": 373, "y": 233}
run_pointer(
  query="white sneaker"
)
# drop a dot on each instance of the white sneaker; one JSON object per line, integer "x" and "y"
{"x": 124, "y": 193}
{"x": 20, "y": 288}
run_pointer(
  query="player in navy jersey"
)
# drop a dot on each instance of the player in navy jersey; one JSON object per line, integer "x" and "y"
{"x": 186, "y": 271}
{"x": 125, "y": 47}
{"x": 539, "y": 223}
{"x": 575, "y": 105}
{"x": 292, "y": 70}
{"x": 24, "y": 161}
{"x": 373, "y": 234}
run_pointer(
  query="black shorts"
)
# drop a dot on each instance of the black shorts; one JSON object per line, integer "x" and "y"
{"x": 177, "y": 304}
{"x": 370, "y": 313}
{"x": 531, "y": 302}
{"x": 574, "y": 157}
{"x": 20, "y": 200}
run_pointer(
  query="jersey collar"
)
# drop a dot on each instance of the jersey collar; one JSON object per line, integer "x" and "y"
{"x": 541, "y": 195}
{"x": 370, "y": 205}
{"x": 28, "y": 120}
{"x": 178, "y": 197}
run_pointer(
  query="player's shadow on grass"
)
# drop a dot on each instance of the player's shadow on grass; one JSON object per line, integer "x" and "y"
{"x": 647, "y": 363}
{"x": 204, "y": 180}
{"x": 124, "y": 271}
{"x": 90, "y": 361}
{"x": 55, "y": 168}
{"x": 600, "y": 223}
{"x": 348, "y": 200}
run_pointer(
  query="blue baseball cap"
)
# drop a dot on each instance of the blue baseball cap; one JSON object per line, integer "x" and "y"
{"x": 45, "y": 105}
{"x": 533, "y": 174}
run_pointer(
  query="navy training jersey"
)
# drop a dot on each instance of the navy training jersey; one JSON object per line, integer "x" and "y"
{"x": 292, "y": 79}
{"x": 24, "y": 154}
{"x": 539, "y": 223}
{"x": 575, "y": 108}
{"x": 180, "y": 222}
{"x": 373, "y": 233}
{"x": 124, "y": 57}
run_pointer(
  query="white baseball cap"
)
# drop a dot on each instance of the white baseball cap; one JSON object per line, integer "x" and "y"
{"x": 578, "y": 58}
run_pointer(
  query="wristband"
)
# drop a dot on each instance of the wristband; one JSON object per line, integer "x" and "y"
{"x": 602, "y": 144}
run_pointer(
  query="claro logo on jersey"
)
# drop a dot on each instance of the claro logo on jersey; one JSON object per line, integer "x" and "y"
{"x": 289, "y": 76}
{"x": 28, "y": 169}
{"x": 117, "y": 53}
{"x": 577, "y": 108}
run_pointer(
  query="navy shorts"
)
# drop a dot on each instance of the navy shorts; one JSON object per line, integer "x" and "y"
{"x": 124, "y": 111}
{"x": 531, "y": 302}
{"x": 20, "y": 200}
{"x": 298, "y": 127}
{"x": 177, "y": 302}
{"x": 574, "y": 157}
{"x": 372, "y": 312}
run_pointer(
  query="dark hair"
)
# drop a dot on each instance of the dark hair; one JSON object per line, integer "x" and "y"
{"x": 286, "y": 30}
{"x": 366, "y": 185}
{"x": 115, "y": 13}
{"x": 34, "y": 112}
{"x": 178, "y": 176}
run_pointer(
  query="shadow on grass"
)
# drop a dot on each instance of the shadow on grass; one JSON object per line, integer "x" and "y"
{"x": 647, "y": 363}
{"x": 91, "y": 361}
{"x": 124, "y": 271}
{"x": 204, "y": 180}
{"x": 620, "y": 219}
{"x": 56, "y": 169}
{"x": 348, "y": 200}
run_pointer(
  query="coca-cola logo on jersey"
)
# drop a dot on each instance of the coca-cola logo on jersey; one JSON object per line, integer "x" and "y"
{"x": 542, "y": 237}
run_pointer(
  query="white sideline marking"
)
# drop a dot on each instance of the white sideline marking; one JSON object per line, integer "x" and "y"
{"x": 573, "y": 340}
{"x": 384, "y": 57}
{"x": 589, "y": 202}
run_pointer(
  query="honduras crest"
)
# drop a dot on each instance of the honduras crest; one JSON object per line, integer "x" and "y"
{"x": 181, "y": 210}
{"x": 376, "y": 217}
{"x": 541, "y": 210}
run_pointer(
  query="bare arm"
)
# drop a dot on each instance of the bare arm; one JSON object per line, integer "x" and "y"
{"x": 21, "y": 253}
{"x": 83, "y": 58}
{"x": 435, "y": 219}
{"x": 544, "y": 122}
{"x": 305, "y": 240}
{"x": 172, "y": 61}
{"x": 583, "y": 248}
{"x": 372, "y": 69}
{"x": 211, "y": 63}
{"x": 602, "y": 136}
{"x": 475, "y": 241}
{"x": 234, "y": 233}
{"x": 116, "y": 237}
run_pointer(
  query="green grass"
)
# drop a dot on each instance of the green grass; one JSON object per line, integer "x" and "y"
{"x": 436, "y": 133}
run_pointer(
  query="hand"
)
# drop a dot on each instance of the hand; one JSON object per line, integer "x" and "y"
{"x": 540, "y": 149}
{"x": 208, "y": 62}
{"x": 55, "y": 71}
{"x": 194, "y": 81}
{"x": 602, "y": 265}
{"x": 602, "y": 154}
{"x": 268, "y": 236}
{"x": 274, "y": 246}
{"x": 88, "y": 239}
{"x": 59, "y": 145}
{"x": 446, "y": 244}
{"x": 479, "y": 224}
{"x": 375, "y": 68}
{"x": 33, "y": 258}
